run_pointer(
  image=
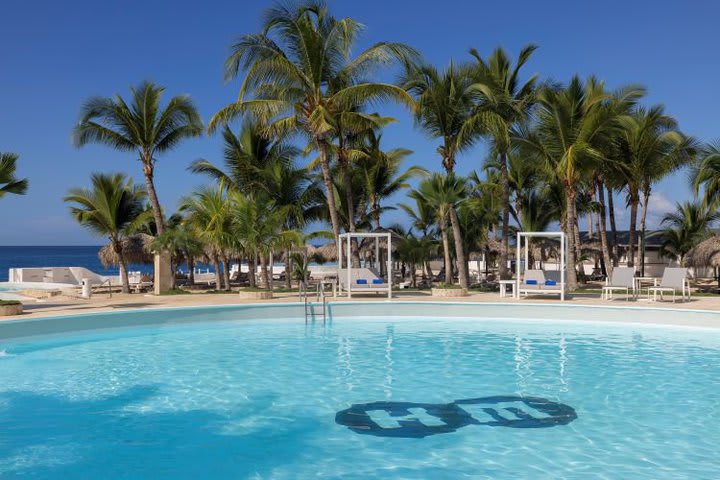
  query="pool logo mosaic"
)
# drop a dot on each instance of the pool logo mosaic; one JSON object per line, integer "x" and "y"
{"x": 418, "y": 420}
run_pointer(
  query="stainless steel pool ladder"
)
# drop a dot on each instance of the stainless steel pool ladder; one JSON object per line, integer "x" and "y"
{"x": 310, "y": 306}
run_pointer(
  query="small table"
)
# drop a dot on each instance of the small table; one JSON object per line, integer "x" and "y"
{"x": 503, "y": 287}
{"x": 639, "y": 281}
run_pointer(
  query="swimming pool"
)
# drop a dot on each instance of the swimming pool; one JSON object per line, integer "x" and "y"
{"x": 219, "y": 393}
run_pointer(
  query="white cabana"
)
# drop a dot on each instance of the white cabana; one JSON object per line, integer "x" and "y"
{"x": 538, "y": 284}
{"x": 367, "y": 278}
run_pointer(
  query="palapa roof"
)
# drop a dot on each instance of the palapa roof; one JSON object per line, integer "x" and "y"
{"x": 705, "y": 253}
{"x": 136, "y": 249}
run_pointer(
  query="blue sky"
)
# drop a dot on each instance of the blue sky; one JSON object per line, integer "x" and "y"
{"x": 54, "y": 55}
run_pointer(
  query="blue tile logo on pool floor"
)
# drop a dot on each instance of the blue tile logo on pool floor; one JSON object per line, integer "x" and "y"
{"x": 418, "y": 420}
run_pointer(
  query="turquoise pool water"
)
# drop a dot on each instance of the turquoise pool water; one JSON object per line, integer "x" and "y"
{"x": 271, "y": 399}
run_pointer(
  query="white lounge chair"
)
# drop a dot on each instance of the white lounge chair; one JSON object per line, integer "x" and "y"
{"x": 674, "y": 279}
{"x": 540, "y": 282}
{"x": 623, "y": 278}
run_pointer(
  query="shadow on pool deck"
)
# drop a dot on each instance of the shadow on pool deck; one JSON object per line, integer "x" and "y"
{"x": 46, "y": 436}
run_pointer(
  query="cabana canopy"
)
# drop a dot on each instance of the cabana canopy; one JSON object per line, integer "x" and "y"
{"x": 366, "y": 279}
{"x": 523, "y": 245}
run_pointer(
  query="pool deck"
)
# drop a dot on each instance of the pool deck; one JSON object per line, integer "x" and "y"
{"x": 128, "y": 302}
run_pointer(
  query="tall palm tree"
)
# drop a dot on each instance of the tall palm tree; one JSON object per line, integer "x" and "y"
{"x": 502, "y": 101}
{"x": 688, "y": 225}
{"x": 649, "y": 147}
{"x": 445, "y": 193}
{"x": 141, "y": 126}
{"x": 113, "y": 207}
{"x": 8, "y": 182}
{"x": 382, "y": 175}
{"x": 568, "y": 136}
{"x": 300, "y": 78}
{"x": 444, "y": 105}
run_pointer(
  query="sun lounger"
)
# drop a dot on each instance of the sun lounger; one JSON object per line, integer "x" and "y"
{"x": 673, "y": 280}
{"x": 623, "y": 278}
{"x": 540, "y": 282}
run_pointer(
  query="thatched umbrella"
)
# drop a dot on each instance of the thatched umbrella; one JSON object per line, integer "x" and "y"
{"x": 136, "y": 249}
{"x": 328, "y": 251}
{"x": 705, "y": 254}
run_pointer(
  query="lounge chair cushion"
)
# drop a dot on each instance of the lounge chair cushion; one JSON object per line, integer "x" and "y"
{"x": 378, "y": 281}
{"x": 531, "y": 282}
{"x": 361, "y": 281}
{"x": 550, "y": 283}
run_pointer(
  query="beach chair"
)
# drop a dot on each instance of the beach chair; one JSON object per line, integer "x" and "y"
{"x": 674, "y": 279}
{"x": 623, "y": 278}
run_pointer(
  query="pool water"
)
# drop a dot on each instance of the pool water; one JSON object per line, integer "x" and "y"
{"x": 265, "y": 400}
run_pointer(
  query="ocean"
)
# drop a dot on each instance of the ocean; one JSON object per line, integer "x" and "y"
{"x": 57, "y": 256}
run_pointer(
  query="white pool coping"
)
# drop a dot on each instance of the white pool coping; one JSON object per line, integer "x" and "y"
{"x": 542, "y": 314}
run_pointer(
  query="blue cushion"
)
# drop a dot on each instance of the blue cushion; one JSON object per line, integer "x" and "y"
{"x": 361, "y": 281}
{"x": 550, "y": 282}
{"x": 378, "y": 281}
{"x": 531, "y": 282}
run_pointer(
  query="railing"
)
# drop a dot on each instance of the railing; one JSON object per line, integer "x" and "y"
{"x": 310, "y": 306}
{"x": 108, "y": 281}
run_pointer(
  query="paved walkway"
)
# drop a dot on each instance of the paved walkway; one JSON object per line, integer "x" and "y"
{"x": 103, "y": 303}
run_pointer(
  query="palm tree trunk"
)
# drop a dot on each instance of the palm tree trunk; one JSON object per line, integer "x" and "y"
{"x": 152, "y": 194}
{"x": 634, "y": 200}
{"x": 459, "y": 249}
{"x": 218, "y": 277}
{"x": 173, "y": 278}
{"x": 446, "y": 250}
{"x": 643, "y": 217}
{"x": 124, "y": 280}
{"x": 570, "y": 196}
{"x": 191, "y": 270}
{"x": 613, "y": 228}
{"x": 329, "y": 190}
{"x": 264, "y": 271}
{"x": 226, "y": 272}
{"x": 252, "y": 269}
{"x": 603, "y": 228}
{"x": 288, "y": 269}
{"x": 505, "y": 217}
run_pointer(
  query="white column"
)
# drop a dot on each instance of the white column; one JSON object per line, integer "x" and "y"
{"x": 517, "y": 269}
{"x": 349, "y": 266}
{"x": 389, "y": 265}
{"x": 562, "y": 266}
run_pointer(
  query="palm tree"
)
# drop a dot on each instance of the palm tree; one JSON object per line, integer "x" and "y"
{"x": 141, "y": 126}
{"x": 569, "y": 135}
{"x": 113, "y": 207}
{"x": 502, "y": 102}
{"x": 688, "y": 225}
{"x": 649, "y": 148}
{"x": 444, "y": 104}
{"x": 181, "y": 242}
{"x": 8, "y": 182}
{"x": 258, "y": 226}
{"x": 300, "y": 78}
{"x": 707, "y": 175}
{"x": 445, "y": 193}
{"x": 209, "y": 215}
{"x": 381, "y": 174}
{"x": 253, "y": 164}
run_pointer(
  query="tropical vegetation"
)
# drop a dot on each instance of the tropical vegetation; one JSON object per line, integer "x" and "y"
{"x": 304, "y": 150}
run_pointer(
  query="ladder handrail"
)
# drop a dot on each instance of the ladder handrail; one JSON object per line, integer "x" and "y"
{"x": 309, "y": 306}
